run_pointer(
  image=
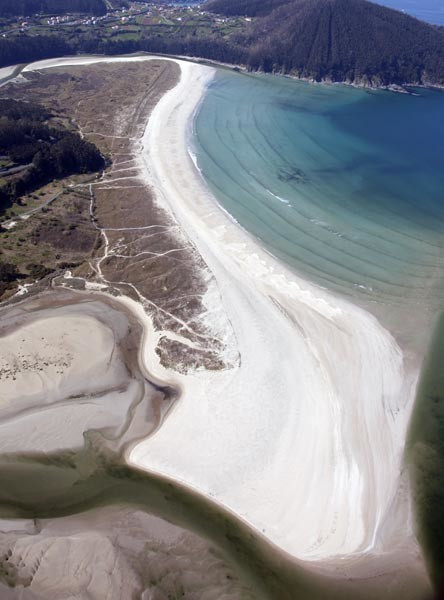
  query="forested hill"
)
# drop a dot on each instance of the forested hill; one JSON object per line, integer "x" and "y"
{"x": 352, "y": 41}
{"x": 245, "y": 8}
{"x": 58, "y": 7}
{"x": 340, "y": 40}
{"x": 34, "y": 152}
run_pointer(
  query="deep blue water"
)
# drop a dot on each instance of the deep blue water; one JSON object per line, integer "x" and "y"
{"x": 427, "y": 10}
{"x": 345, "y": 185}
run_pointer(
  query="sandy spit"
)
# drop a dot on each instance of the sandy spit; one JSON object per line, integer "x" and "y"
{"x": 304, "y": 440}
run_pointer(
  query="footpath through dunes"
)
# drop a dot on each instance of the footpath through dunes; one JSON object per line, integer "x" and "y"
{"x": 305, "y": 439}
{"x": 107, "y": 232}
{"x": 302, "y": 438}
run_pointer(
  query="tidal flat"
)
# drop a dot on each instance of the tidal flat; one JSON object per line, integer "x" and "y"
{"x": 66, "y": 480}
{"x": 284, "y": 455}
{"x": 77, "y": 402}
{"x": 425, "y": 453}
{"x": 70, "y": 486}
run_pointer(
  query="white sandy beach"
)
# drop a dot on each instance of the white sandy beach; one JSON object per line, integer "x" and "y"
{"x": 303, "y": 440}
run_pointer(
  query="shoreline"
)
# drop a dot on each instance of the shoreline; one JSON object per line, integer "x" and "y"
{"x": 268, "y": 569}
{"x": 12, "y": 71}
{"x": 283, "y": 325}
{"x": 285, "y": 299}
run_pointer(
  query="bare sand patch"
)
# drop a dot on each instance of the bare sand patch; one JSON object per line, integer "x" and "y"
{"x": 115, "y": 553}
{"x": 58, "y": 357}
{"x": 305, "y": 439}
{"x": 68, "y": 364}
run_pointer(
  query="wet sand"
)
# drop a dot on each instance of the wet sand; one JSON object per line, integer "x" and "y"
{"x": 292, "y": 462}
{"x": 63, "y": 455}
{"x": 70, "y": 361}
{"x": 305, "y": 439}
{"x": 425, "y": 452}
{"x": 75, "y": 399}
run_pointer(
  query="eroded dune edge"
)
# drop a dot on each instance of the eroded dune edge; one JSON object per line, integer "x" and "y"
{"x": 302, "y": 434}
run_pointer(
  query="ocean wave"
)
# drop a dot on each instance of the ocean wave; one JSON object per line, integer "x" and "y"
{"x": 193, "y": 157}
{"x": 283, "y": 200}
{"x": 331, "y": 229}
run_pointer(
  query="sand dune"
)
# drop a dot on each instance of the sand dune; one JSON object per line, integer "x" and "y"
{"x": 112, "y": 553}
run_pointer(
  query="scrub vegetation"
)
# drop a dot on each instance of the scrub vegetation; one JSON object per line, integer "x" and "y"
{"x": 35, "y": 149}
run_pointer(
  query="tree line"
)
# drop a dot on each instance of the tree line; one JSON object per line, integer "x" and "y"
{"x": 338, "y": 40}
{"x": 45, "y": 152}
{"x": 25, "y": 48}
{"x": 346, "y": 40}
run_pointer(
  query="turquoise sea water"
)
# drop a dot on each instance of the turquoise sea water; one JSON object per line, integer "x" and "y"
{"x": 345, "y": 185}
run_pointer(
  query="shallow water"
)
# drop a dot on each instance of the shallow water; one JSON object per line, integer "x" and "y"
{"x": 347, "y": 187}
{"x": 343, "y": 184}
{"x": 73, "y": 482}
{"x": 37, "y": 486}
{"x": 426, "y": 456}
